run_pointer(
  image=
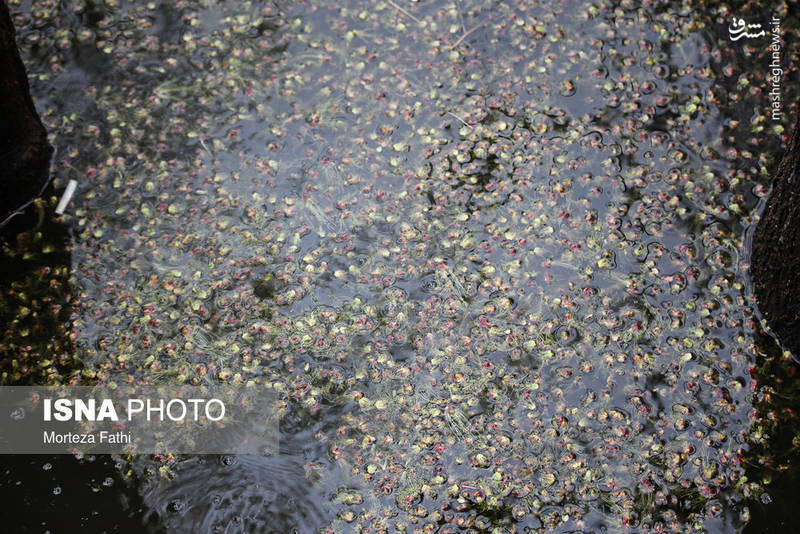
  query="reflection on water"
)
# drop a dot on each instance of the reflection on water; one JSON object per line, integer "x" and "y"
{"x": 237, "y": 493}
{"x": 491, "y": 255}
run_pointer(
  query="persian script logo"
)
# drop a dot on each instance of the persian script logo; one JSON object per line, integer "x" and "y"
{"x": 741, "y": 29}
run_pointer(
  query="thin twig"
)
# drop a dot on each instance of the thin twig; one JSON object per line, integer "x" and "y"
{"x": 403, "y": 11}
{"x": 465, "y": 36}
{"x": 459, "y": 118}
{"x": 20, "y": 209}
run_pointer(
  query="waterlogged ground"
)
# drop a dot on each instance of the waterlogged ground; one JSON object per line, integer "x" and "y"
{"x": 492, "y": 254}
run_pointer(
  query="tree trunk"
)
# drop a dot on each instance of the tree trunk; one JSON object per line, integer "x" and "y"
{"x": 775, "y": 261}
{"x": 24, "y": 149}
{"x": 35, "y": 295}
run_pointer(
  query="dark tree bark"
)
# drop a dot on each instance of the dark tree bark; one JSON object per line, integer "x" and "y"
{"x": 775, "y": 270}
{"x": 775, "y": 261}
{"x": 24, "y": 149}
{"x": 35, "y": 295}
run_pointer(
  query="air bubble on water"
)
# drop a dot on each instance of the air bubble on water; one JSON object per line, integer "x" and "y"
{"x": 227, "y": 460}
{"x": 176, "y": 506}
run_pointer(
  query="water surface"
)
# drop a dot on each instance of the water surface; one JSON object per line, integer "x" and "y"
{"x": 492, "y": 254}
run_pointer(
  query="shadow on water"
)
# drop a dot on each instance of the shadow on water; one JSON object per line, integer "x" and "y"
{"x": 775, "y": 451}
{"x": 51, "y": 493}
{"x": 35, "y": 299}
{"x": 64, "y": 494}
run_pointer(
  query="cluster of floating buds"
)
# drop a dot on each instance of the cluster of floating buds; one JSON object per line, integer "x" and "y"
{"x": 496, "y": 249}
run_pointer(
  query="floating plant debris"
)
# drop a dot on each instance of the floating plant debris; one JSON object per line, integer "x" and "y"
{"x": 491, "y": 255}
